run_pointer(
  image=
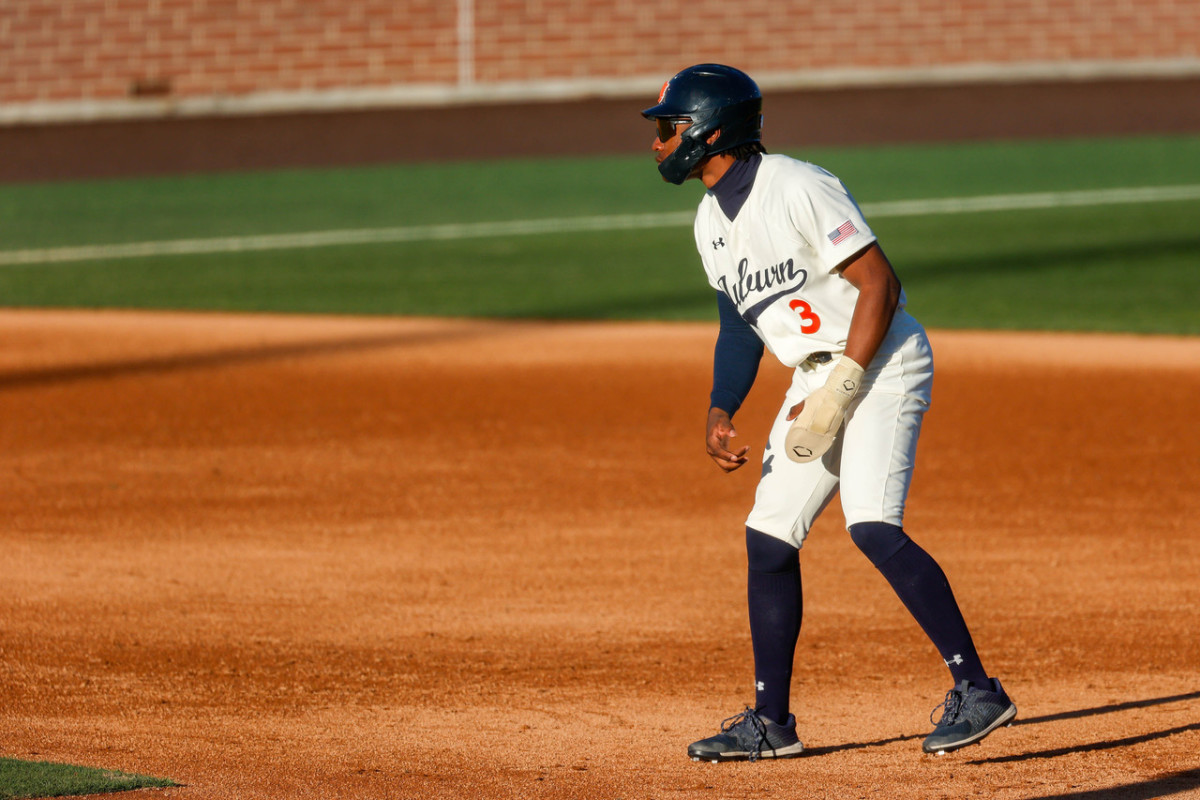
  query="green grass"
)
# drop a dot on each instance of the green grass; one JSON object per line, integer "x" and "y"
{"x": 1124, "y": 268}
{"x": 20, "y": 779}
{"x": 1121, "y": 268}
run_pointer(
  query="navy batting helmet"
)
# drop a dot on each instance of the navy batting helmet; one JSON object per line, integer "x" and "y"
{"x": 710, "y": 96}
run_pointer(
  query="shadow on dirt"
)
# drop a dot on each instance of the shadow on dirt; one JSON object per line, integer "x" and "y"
{"x": 1165, "y": 786}
{"x": 1061, "y": 751}
{"x": 1162, "y": 786}
{"x": 161, "y": 365}
{"x": 1109, "y": 709}
{"x": 1091, "y": 747}
{"x": 1097, "y": 746}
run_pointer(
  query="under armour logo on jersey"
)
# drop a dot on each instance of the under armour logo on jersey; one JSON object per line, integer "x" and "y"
{"x": 956, "y": 660}
{"x": 719, "y": 243}
{"x": 759, "y": 685}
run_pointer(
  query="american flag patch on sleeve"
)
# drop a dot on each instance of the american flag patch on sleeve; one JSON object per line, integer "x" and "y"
{"x": 844, "y": 231}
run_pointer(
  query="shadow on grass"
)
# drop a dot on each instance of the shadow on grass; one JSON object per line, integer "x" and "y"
{"x": 1182, "y": 249}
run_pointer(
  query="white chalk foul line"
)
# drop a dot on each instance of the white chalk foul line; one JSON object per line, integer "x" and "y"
{"x": 1018, "y": 202}
{"x": 288, "y": 241}
{"x": 477, "y": 230}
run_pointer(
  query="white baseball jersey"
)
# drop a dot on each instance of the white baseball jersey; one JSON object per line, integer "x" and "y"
{"x": 776, "y": 260}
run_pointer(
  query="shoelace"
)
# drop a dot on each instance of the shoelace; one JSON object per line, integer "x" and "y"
{"x": 747, "y": 728}
{"x": 952, "y": 705}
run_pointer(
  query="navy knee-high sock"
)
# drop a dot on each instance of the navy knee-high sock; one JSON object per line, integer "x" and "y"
{"x": 923, "y": 588}
{"x": 776, "y": 606}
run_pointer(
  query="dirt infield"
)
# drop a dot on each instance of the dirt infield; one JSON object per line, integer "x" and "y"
{"x": 381, "y": 558}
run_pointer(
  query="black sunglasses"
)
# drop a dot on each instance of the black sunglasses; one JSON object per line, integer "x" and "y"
{"x": 666, "y": 127}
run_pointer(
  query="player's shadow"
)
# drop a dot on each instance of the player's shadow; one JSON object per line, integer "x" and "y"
{"x": 1091, "y": 747}
{"x": 1007, "y": 263}
{"x": 1061, "y": 751}
{"x": 161, "y": 365}
{"x": 1163, "y": 786}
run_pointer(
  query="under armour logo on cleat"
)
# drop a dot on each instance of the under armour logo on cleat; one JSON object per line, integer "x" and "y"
{"x": 719, "y": 243}
{"x": 956, "y": 660}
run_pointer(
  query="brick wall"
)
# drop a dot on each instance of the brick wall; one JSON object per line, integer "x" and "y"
{"x": 63, "y": 51}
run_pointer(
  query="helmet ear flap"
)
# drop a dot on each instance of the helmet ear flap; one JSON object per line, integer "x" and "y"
{"x": 677, "y": 166}
{"x": 693, "y": 147}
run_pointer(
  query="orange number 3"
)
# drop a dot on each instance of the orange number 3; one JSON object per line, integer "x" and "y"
{"x": 811, "y": 322}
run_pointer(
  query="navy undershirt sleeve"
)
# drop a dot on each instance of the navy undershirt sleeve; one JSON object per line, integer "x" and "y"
{"x": 735, "y": 359}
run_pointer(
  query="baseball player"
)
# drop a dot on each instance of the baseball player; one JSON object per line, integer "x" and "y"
{"x": 797, "y": 271}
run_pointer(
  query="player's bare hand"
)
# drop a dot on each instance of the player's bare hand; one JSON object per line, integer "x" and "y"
{"x": 720, "y": 431}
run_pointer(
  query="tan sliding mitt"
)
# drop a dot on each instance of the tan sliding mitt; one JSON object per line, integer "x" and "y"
{"x": 813, "y": 430}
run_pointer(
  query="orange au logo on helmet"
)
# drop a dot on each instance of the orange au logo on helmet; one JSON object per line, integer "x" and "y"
{"x": 663, "y": 92}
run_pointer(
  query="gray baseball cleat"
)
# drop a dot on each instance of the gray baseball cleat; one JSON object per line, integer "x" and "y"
{"x": 749, "y": 737}
{"x": 971, "y": 713}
